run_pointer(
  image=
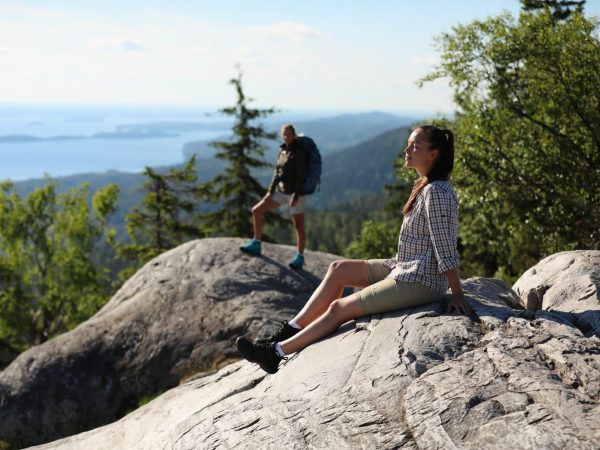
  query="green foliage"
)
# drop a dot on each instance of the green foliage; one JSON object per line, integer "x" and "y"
{"x": 48, "y": 280}
{"x": 362, "y": 169}
{"x": 560, "y": 9}
{"x": 331, "y": 231}
{"x": 166, "y": 217}
{"x": 528, "y": 137}
{"x": 235, "y": 189}
{"x": 377, "y": 240}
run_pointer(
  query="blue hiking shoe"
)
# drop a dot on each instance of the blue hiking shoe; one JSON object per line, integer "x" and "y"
{"x": 297, "y": 261}
{"x": 253, "y": 247}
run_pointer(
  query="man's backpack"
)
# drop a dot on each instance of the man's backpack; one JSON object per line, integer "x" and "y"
{"x": 313, "y": 173}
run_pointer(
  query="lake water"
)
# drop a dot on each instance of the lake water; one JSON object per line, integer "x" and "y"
{"x": 33, "y": 159}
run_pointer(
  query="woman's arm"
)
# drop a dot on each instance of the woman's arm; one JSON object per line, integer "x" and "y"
{"x": 442, "y": 219}
{"x": 458, "y": 303}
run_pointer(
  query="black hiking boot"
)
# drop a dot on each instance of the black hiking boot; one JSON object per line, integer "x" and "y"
{"x": 262, "y": 353}
{"x": 284, "y": 332}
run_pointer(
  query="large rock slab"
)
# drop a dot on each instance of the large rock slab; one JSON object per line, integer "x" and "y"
{"x": 567, "y": 282}
{"x": 413, "y": 379}
{"x": 177, "y": 316}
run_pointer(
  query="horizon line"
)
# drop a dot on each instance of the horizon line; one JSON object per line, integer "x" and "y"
{"x": 215, "y": 108}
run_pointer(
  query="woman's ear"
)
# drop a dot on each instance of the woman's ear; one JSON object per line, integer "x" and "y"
{"x": 434, "y": 153}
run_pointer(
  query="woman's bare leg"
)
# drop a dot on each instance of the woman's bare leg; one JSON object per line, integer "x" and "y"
{"x": 341, "y": 273}
{"x": 300, "y": 234}
{"x": 338, "y": 312}
{"x": 258, "y": 211}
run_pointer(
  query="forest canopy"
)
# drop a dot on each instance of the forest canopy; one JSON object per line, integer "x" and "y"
{"x": 528, "y": 137}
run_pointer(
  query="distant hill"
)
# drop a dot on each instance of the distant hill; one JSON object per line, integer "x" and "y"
{"x": 130, "y": 185}
{"x": 331, "y": 133}
{"x": 362, "y": 169}
{"x": 339, "y": 132}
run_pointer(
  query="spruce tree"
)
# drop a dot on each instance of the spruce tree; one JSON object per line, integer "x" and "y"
{"x": 236, "y": 190}
{"x": 166, "y": 217}
{"x": 560, "y": 9}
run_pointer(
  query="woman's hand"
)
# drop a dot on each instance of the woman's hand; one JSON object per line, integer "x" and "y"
{"x": 458, "y": 303}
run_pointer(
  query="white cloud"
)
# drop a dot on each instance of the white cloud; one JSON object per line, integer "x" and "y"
{"x": 288, "y": 30}
{"x": 427, "y": 60}
{"x": 132, "y": 46}
{"x": 121, "y": 44}
{"x": 157, "y": 56}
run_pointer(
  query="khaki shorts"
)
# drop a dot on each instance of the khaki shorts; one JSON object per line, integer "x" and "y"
{"x": 281, "y": 198}
{"x": 386, "y": 294}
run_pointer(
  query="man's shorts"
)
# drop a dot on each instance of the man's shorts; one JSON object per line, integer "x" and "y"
{"x": 386, "y": 294}
{"x": 300, "y": 207}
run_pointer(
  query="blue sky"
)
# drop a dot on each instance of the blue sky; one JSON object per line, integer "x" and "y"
{"x": 295, "y": 54}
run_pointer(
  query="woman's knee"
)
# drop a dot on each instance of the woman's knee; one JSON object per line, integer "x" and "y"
{"x": 334, "y": 272}
{"x": 344, "y": 270}
{"x": 342, "y": 310}
{"x": 336, "y": 309}
{"x": 337, "y": 265}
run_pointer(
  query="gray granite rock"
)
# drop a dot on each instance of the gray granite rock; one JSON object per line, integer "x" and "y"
{"x": 177, "y": 316}
{"x": 567, "y": 282}
{"x": 413, "y": 379}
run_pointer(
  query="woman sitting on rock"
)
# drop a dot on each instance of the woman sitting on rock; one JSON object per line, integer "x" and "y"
{"x": 426, "y": 262}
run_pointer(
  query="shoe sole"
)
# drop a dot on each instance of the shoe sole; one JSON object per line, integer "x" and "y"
{"x": 295, "y": 267}
{"x": 268, "y": 369}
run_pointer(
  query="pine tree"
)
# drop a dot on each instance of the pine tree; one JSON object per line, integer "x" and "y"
{"x": 560, "y": 9}
{"x": 166, "y": 218}
{"x": 236, "y": 190}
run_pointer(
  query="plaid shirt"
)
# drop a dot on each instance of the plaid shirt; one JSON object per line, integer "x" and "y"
{"x": 428, "y": 238}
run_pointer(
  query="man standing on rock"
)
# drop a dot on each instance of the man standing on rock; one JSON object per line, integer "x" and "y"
{"x": 291, "y": 182}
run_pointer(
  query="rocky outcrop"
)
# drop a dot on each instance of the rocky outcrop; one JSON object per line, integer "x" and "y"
{"x": 567, "y": 282}
{"x": 176, "y": 317}
{"x": 506, "y": 378}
